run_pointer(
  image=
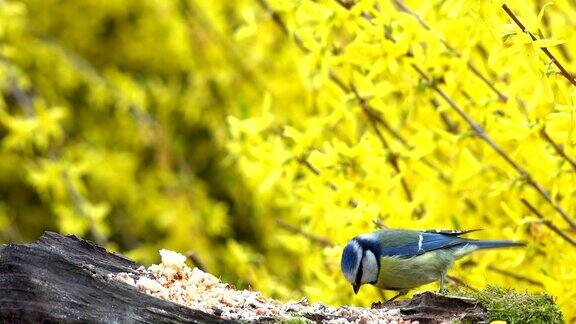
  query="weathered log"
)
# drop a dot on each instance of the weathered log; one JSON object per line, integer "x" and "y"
{"x": 431, "y": 307}
{"x": 65, "y": 279}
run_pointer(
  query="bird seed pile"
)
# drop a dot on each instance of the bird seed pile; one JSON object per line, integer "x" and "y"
{"x": 174, "y": 281}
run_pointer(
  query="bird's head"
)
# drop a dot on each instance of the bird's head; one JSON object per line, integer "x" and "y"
{"x": 359, "y": 264}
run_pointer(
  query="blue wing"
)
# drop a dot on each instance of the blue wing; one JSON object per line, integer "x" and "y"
{"x": 421, "y": 243}
{"x": 408, "y": 243}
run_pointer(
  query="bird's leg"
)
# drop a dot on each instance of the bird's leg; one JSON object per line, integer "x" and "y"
{"x": 400, "y": 293}
{"x": 442, "y": 289}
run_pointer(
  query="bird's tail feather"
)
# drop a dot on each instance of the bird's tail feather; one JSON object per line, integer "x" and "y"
{"x": 495, "y": 244}
{"x": 473, "y": 245}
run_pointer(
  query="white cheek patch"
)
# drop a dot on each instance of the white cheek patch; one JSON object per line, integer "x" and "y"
{"x": 369, "y": 268}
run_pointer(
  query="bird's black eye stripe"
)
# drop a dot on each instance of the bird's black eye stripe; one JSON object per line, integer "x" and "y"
{"x": 359, "y": 272}
{"x": 372, "y": 247}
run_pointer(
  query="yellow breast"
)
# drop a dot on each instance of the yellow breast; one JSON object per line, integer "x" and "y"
{"x": 407, "y": 273}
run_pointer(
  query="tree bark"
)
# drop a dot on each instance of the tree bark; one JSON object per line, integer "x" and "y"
{"x": 65, "y": 279}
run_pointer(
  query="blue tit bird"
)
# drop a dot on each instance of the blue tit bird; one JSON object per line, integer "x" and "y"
{"x": 400, "y": 260}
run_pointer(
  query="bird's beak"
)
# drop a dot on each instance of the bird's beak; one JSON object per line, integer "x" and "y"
{"x": 356, "y": 288}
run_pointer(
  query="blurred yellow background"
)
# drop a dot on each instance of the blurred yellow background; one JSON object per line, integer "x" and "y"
{"x": 260, "y": 136}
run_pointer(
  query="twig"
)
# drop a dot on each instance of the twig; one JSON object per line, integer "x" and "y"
{"x": 392, "y": 157}
{"x": 383, "y": 122}
{"x": 195, "y": 258}
{"x": 403, "y": 7}
{"x": 449, "y": 124}
{"x": 351, "y": 201}
{"x": 295, "y": 230}
{"x": 394, "y": 133}
{"x": 547, "y": 222}
{"x": 22, "y": 99}
{"x": 275, "y": 16}
{"x": 278, "y": 21}
{"x": 442, "y": 176}
{"x": 310, "y": 167}
{"x": 190, "y": 9}
{"x": 20, "y": 96}
{"x": 379, "y": 223}
{"x": 462, "y": 283}
{"x": 482, "y": 134}
{"x": 382, "y": 294}
{"x": 558, "y": 148}
{"x": 546, "y": 22}
{"x": 80, "y": 206}
{"x": 515, "y": 276}
{"x": 563, "y": 71}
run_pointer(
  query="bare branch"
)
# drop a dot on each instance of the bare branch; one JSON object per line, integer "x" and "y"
{"x": 515, "y": 276}
{"x": 195, "y": 15}
{"x": 23, "y": 99}
{"x": 547, "y": 222}
{"x": 351, "y": 201}
{"x": 392, "y": 157}
{"x": 387, "y": 127}
{"x": 80, "y": 207}
{"x": 295, "y": 230}
{"x": 563, "y": 71}
{"x": 546, "y": 22}
{"x": 275, "y": 16}
{"x": 383, "y": 122}
{"x": 310, "y": 166}
{"x": 449, "y": 124}
{"x": 558, "y": 148}
{"x": 403, "y": 7}
{"x": 524, "y": 175}
{"x": 460, "y": 282}
{"x": 280, "y": 23}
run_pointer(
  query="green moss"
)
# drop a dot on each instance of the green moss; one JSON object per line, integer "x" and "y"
{"x": 516, "y": 307}
{"x": 296, "y": 320}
